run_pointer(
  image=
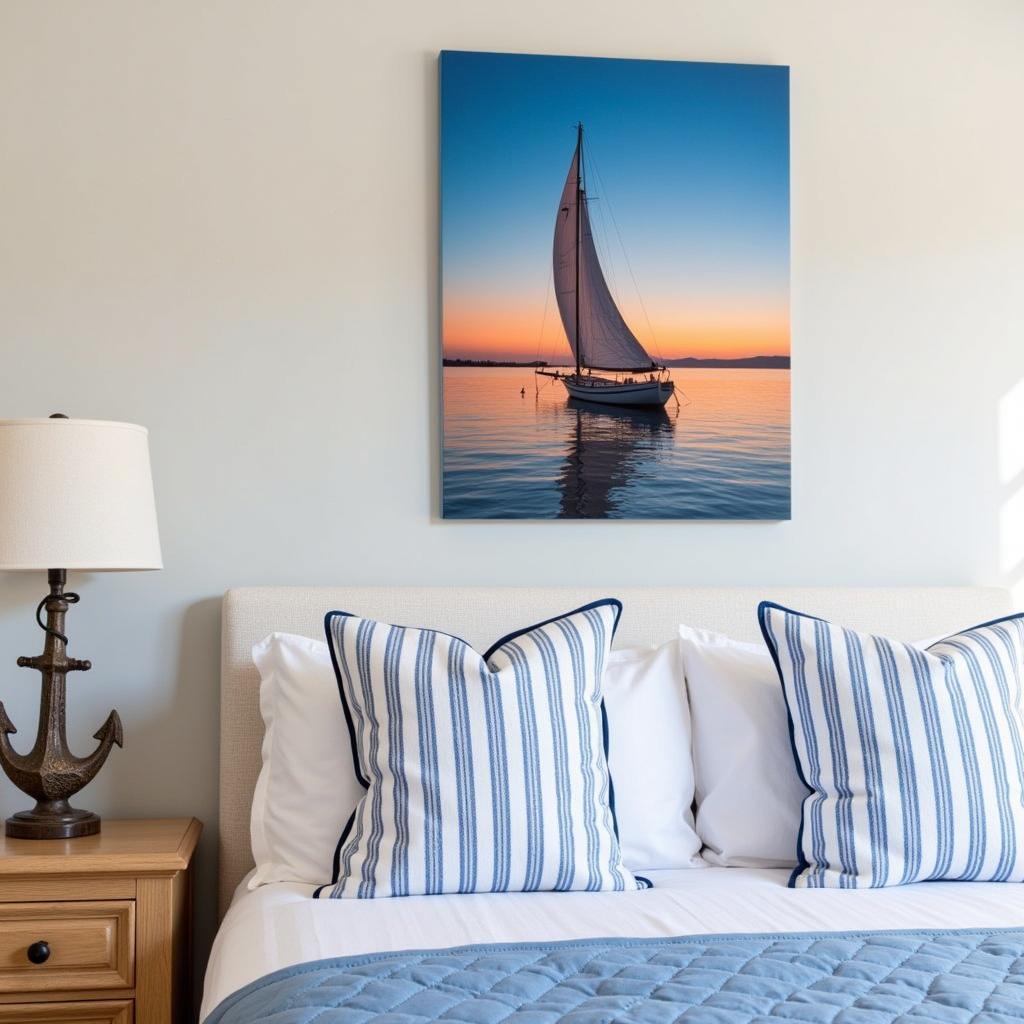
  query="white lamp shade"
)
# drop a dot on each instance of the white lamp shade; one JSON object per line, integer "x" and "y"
{"x": 76, "y": 494}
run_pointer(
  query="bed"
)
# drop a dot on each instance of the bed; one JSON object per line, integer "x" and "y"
{"x": 718, "y": 944}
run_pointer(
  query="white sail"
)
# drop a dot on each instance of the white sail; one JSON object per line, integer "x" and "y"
{"x": 606, "y": 343}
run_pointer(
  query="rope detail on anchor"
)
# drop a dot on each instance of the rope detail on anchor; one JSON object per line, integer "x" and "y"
{"x": 71, "y": 599}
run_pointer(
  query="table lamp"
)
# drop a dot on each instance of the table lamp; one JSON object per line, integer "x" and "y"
{"x": 76, "y": 494}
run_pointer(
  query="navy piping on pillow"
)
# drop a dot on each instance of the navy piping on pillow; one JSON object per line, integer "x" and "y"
{"x": 762, "y": 620}
{"x": 336, "y": 867}
{"x": 980, "y": 625}
{"x": 554, "y": 618}
{"x": 818, "y": 618}
{"x": 341, "y": 693}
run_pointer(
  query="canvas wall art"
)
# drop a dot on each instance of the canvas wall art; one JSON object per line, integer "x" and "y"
{"x": 615, "y": 288}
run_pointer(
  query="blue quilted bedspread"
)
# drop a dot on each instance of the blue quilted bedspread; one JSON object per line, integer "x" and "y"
{"x": 839, "y": 978}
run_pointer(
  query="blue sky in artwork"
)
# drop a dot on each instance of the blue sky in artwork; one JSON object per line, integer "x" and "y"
{"x": 687, "y": 163}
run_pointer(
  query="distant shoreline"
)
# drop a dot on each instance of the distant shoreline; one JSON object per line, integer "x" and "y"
{"x": 536, "y": 363}
{"x": 747, "y": 363}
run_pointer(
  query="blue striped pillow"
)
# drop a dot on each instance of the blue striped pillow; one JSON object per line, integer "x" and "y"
{"x": 914, "y": 758}
{"x": 481, "y": 774}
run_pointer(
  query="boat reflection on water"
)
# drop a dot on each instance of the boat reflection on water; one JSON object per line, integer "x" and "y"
{"x": 608, "y": 447}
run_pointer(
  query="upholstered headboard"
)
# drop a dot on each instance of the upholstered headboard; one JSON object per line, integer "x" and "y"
{"x": 481, "y": 615}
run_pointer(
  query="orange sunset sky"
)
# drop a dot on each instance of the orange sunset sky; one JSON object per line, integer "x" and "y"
{"x": 488, "y": 328}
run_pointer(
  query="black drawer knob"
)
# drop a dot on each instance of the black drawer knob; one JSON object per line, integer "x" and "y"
{"x": 39, "y": 952}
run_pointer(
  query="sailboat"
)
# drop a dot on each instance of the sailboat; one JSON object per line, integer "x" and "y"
{"x": 599, "y": 337}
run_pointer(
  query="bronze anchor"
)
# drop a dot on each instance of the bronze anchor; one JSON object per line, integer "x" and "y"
{"x": 49, "y": 772}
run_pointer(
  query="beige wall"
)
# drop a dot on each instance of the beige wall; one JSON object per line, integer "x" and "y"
{"x": 219, "y": 219}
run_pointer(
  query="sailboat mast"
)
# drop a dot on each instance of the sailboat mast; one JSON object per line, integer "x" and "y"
{"x": 579, "y": 204}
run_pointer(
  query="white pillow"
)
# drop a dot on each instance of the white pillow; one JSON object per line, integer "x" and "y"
{"x": 649, "y": 757}
{"x": 307, "y": 788}
{"x": 748, "y": 792}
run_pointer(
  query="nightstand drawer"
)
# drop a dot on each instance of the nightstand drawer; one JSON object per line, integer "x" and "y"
{"x": 85, "y": 945}
{"x": 98, "y": 1012}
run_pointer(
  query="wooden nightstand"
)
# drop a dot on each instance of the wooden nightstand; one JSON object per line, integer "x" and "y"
{"x": 97, "y": 930}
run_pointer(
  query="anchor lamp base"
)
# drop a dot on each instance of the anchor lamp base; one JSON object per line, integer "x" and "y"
{"x": 49, "y": 772}
{"x": 52, "y": 823}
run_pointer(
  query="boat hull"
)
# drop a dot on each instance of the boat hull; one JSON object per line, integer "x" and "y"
{"x": 635, "y": 393}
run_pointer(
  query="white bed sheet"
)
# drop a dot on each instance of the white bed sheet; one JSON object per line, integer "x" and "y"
{"x": 279, "y": 925}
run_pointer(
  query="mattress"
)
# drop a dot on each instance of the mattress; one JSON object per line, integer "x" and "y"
{"x": 279, "y": 925}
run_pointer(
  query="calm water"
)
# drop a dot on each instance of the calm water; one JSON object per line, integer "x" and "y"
{"x": 723, "y": 455}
